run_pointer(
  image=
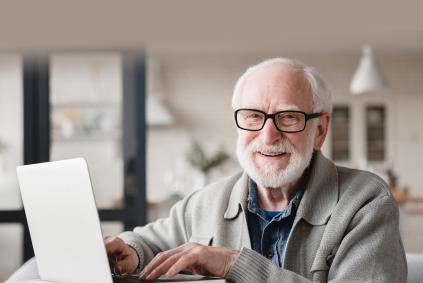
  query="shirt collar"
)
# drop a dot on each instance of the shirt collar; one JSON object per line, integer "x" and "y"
{"x": 253, "y": 203}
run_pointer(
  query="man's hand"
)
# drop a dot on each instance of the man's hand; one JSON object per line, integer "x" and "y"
{"x": 122, "y": 258}
{"x": 194, "y": 257}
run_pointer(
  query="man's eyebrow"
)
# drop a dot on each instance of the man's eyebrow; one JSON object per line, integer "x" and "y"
{"x": 288, "y": 107}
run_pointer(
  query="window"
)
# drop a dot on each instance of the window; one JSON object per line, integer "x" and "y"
{"x": 86, "y": 105}
{"x": 340, "y": 133}
{"x": 375, "y": 124}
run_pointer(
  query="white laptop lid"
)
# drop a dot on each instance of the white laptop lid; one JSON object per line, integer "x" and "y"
{"x": 63, "y": 222}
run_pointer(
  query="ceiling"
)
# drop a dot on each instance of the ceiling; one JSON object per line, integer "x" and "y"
{"x": 213, "y": 26}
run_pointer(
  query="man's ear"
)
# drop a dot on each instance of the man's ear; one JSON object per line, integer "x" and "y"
{"x": 322, "y": 130}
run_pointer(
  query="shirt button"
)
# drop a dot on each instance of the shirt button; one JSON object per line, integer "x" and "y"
{"x": 270, "y": 253}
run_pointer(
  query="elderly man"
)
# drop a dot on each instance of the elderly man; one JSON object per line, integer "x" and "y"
{"x": 291, "y": 215}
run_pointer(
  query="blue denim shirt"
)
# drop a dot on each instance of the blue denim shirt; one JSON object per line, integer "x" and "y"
{"x": 269, "y": 230}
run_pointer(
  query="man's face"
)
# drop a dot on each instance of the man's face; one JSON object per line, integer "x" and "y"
{"x": 270, "y": 157}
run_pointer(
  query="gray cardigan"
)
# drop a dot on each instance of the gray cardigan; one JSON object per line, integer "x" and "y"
{"x": 345, "y": 230}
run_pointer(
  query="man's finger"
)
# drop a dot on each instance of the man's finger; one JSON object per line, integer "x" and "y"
{"x": 121, "y": 267}
{"x": 164, "y": 266}
{"x": 184, "y": 262}
{"x": 159, "y": 259}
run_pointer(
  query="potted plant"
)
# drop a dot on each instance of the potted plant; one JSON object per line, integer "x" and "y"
{"x": 204, "y": 163}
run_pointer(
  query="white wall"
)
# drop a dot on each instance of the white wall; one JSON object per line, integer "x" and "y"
{"x": 197, "y": 91}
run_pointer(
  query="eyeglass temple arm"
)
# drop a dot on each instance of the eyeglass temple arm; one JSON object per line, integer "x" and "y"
{"x": 313, "y": 115}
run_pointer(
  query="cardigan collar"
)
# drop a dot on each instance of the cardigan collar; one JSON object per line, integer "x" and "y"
{"x": 238, "y": 198}
{"x": 321, "y": 193}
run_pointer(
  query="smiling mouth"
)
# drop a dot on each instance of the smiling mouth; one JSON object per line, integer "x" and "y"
{"x": 272, "y": 154}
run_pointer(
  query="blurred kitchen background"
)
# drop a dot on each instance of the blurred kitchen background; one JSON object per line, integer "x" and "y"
{"x": 79, "y": 79}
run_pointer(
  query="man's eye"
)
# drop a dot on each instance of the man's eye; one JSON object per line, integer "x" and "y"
{"x": 289, "y": 117}
{"x": 253, "y": 116}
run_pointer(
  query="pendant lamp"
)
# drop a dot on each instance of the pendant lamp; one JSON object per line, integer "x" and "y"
{"x": 368, "y": 77}
{"x": 157, "y": 114}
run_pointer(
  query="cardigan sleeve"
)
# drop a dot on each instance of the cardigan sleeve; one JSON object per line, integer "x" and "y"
{"x": 370, "y": 251}
{"x": 161, "y": 235}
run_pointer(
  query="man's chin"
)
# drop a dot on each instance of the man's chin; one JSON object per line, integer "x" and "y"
{"x": 266, "y": 168}
{"x": 270, "y": 182}
{"x": 275, "y": 175}
{"x": 269, "y": 178}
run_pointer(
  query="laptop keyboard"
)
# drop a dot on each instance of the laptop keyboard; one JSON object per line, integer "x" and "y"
{"x": 126, "y": 279}
{"x": 133, "y": 278}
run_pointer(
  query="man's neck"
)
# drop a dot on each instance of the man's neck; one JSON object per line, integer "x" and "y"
{"x": 276, "y": 199}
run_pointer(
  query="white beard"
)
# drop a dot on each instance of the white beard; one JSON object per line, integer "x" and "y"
{"x": 270, "y": 175}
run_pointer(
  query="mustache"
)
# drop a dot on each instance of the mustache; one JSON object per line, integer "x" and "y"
{"x": 279, "y": 147}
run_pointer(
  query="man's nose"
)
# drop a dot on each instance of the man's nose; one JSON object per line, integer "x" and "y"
{"x": 270, "y": 134}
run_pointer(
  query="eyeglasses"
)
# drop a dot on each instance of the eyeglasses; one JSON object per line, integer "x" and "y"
{"x": 290, "y": 121}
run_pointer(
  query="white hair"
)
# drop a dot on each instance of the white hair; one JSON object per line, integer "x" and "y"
{"x": 322, "y": 100}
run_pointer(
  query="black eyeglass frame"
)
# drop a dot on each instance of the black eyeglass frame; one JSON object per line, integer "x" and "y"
{"x": 273, "y": 117}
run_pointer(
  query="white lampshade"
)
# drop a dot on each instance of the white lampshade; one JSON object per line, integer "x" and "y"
{"x": 157, "y": 113}
{"x": 368, "y": 77}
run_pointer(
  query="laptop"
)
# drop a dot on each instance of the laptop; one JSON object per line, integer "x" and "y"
{"x": 64, "y": 224}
